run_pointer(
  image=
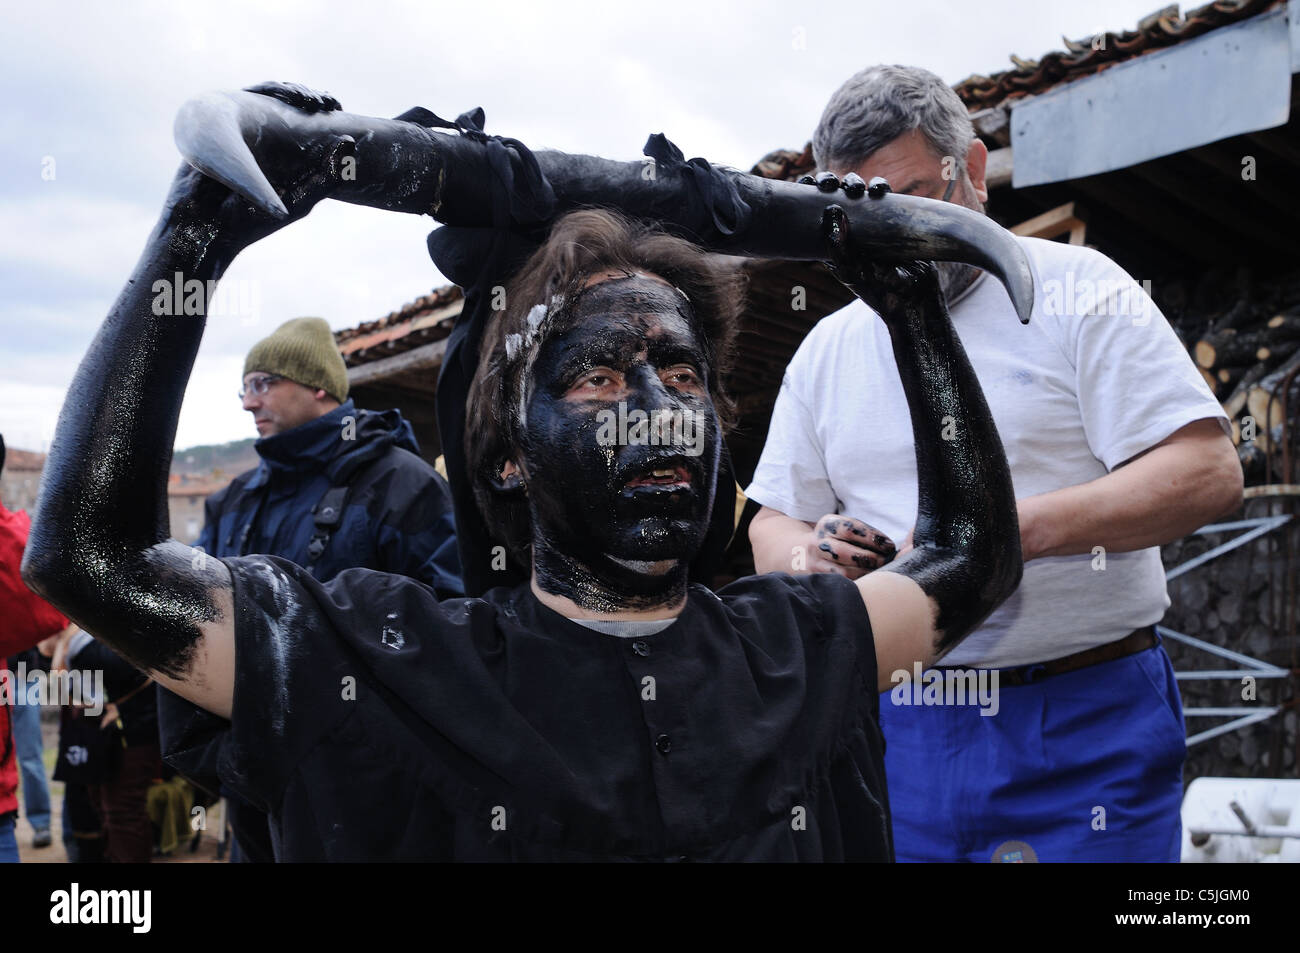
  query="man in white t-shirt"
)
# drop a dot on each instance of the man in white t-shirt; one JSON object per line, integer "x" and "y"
{"x": 1068, "y": 743}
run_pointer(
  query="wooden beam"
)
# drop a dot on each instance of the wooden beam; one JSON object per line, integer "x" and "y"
{"x": 423, "y": 358}
{"x": 1166, "y": 223}
{"x": 1222, "y": 205}
{"x": 1053, "y": 223}
{"x": 997, "y": 172}
{"x": 993, "y": 123}
{"x": 1278, "y": 143}
{"x": 1263, "y": 188}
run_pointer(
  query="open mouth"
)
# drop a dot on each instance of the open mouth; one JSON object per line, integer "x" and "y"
{"x": 665, "y": 480}
{"x": 661, "y": 476}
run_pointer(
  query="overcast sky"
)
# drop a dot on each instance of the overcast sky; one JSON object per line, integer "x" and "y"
{"x": 90, "y": 90}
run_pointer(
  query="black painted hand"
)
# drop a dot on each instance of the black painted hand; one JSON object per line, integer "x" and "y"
{"x": 848, "y": 546}
{"x": 297, "y": 95}
{"x": 890, "y": 290}
{"x": 207, "y": 212}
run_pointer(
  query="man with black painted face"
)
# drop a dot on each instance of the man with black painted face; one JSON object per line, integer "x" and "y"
{"x": 614, "y": 525}
{"x": 604, "y": 710}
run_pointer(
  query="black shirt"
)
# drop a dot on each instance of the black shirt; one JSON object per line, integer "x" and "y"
{"x": 139, "y": 713}
{"x": 374, "y": 722}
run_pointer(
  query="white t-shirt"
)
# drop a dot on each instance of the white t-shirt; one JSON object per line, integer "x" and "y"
{"x": 1096, "y": 377}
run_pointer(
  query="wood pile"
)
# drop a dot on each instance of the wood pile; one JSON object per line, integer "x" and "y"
{"x": 1244, "y": 335}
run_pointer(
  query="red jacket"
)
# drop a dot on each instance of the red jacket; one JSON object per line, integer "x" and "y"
{"x": 25, "y": 619}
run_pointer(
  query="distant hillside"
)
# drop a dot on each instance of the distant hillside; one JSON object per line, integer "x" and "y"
{"x": 221, "y": 459}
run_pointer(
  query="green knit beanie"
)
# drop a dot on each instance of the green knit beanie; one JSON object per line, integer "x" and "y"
{"x": 302, "y": 350}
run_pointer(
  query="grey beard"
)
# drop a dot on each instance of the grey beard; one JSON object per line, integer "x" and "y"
{"x": 954, "y": 278}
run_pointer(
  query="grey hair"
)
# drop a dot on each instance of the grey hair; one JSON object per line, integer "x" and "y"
{"x": 881, "y": 103}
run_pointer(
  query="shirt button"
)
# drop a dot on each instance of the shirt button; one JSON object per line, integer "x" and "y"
{"x": 640, "y": 648}
{"x": 664, "y": 744}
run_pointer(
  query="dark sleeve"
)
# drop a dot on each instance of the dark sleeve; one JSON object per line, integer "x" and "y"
{"x": 178, "y": 720}
{"x": 844, "y": 616}
{"x": 298, "y": 674}
{"x": 139, "y": 713}
{"x": 477, "y": 259}
{"x": 826, "y": 608}
{"x": 191, "y": 739}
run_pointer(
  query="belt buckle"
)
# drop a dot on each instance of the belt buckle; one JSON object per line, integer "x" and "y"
{"x": 1032, "y": 673}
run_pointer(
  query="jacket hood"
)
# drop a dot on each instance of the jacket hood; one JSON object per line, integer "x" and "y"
{"x": 334, "y": 444}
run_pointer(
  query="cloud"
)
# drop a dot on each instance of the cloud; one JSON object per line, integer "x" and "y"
{"x": 94, "y": 87}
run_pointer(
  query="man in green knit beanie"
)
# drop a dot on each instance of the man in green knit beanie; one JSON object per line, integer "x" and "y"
{"x": 294, "y": 376}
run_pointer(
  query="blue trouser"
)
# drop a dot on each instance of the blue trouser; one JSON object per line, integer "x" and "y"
{"x": 1084, "y": 766}
{"x": 26, "y": 721}
{"x": 8, "y": 842}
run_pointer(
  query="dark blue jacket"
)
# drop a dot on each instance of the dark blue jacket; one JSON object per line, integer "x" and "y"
{"x": 397, "y": 516}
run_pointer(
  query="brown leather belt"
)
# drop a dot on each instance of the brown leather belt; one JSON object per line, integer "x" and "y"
{"x": 1137, "y": 641}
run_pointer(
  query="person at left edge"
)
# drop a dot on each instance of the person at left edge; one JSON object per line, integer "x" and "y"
{"x": 337, "y": 488}
{"x": 28, "y": 619}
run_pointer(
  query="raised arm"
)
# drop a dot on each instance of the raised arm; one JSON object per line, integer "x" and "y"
{"x": 99, "y": 549}
{"x": 966, "y": 559}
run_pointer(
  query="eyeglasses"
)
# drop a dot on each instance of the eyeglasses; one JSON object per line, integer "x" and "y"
{"x": 258, "y": 386}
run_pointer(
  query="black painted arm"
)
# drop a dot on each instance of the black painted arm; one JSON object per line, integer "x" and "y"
{"x": 966, "y": 555}
{"x": 99, "y": 549}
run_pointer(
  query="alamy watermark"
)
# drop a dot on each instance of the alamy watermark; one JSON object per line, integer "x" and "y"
{"x": 83, "y": 688}
{"x": 681, "y": 428}
{"x": 178, "y": 296}
{"x": 946, "y": 686}
{"x": 1109, "y": 297}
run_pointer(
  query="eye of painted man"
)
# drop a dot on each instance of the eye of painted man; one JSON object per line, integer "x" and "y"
{"x": 682, "y": 377}
{"x": 596, "y": 382}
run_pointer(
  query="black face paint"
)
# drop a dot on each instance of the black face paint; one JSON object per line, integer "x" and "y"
{"x": 621, "y": 446}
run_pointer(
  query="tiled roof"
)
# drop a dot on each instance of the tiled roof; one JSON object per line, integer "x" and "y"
{"x": 16, "y": 459}
{"x": 427, "y": 318}
{"x": 203, "y": 488}
{"x": 1090, "y": 54}
{"x": 785, "y": 164}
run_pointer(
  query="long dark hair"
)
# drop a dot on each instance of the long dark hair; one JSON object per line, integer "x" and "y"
{"x": 582, "y": 244}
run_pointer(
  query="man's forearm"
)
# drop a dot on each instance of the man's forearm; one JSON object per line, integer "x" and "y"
{"x": 774, "y": 537}
{"x": 1157, "y": 498}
